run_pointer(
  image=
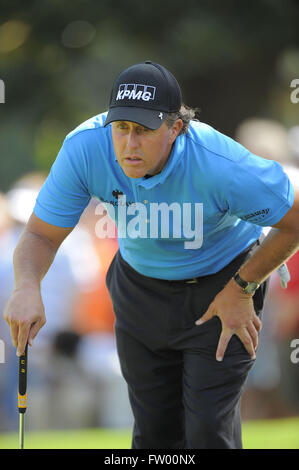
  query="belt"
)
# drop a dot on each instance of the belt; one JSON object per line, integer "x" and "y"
{"x": 191, "y": 281}
{"x": 282, "y": 271}
{"x": 196, "y": 280}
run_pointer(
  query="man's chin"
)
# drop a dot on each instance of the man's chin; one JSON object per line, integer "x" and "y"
{"x": 134, "y": 172}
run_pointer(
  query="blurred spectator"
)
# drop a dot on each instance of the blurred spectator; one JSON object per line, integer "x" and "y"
{"x": 286, "y": 328}
{"x": 63, "y": 391}
{"x": 265, "y": 138}
{"x": 94, "y": 311}
{"x": 58, "y": 290}
{"x": 272, "y": 388}
{"x": 94, "y": 321}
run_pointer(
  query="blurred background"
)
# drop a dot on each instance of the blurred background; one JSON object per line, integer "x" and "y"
{"x": 239, "y": 64}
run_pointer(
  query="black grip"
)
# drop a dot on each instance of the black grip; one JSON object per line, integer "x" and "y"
{"x": 22, "y": 396}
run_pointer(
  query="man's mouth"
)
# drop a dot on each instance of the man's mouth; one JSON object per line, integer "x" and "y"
{"x": 133, "y": 159}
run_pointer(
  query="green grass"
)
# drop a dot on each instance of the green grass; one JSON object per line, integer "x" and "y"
{"x": 69, "y": 439}
{"x": 270, "y": 434}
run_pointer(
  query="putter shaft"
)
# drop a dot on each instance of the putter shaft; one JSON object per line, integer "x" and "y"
{"x": 21, "y": 430}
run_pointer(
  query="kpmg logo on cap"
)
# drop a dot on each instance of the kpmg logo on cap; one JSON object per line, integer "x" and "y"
{"x": 135, "y": 91}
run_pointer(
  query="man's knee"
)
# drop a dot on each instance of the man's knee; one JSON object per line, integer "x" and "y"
{"x": 209, "y": 430}
{"x": 158, "y": 433}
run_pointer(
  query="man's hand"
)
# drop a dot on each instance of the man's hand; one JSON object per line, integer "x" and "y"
{"x": 24, "y": 313}
{"x": 236, "y": 312}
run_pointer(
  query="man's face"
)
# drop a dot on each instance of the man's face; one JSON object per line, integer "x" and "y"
{"x": 141, "y": 151}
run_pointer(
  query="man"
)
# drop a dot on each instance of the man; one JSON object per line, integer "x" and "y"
{"x": 187, "y": 301}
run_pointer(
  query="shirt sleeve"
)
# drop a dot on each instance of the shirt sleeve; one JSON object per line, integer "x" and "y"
{"x": 64, "y": 195}
{"x": 260, "y": 192}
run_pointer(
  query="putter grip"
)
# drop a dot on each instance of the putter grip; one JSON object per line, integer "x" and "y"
{"x": 22, "y": 395}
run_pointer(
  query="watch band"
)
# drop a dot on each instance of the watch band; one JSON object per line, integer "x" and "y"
{"x": 248, "y": 287}
{"x": 240, "y": 281}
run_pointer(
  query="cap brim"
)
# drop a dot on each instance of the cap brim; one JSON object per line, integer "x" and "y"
{"x": 146, "y": 117}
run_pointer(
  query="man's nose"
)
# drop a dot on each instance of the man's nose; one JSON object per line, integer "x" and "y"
{"x": 132, "y": 140}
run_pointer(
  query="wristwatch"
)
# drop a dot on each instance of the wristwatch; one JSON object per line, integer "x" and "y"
{"x": 248, "y": 287}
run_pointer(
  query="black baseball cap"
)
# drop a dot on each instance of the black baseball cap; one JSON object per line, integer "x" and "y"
{"x": 144, "y": 93}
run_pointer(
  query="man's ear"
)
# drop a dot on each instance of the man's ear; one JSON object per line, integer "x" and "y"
{"x": 176, "y": 129}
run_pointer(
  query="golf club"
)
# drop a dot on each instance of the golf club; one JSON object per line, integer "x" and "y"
{"x": 22, "y": 396}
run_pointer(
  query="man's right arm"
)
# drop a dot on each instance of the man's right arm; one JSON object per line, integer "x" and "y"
{"x": 33, "y": 256}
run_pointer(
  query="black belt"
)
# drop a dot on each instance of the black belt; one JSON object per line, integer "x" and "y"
{"x": 196, "y": 280}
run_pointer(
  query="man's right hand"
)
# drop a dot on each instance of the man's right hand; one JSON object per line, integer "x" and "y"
{"x": 33, "y": 256}
{"x": 25, "y": 315}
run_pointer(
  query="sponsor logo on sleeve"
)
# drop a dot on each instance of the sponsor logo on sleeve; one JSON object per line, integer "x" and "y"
{"x": 257, "y": 215}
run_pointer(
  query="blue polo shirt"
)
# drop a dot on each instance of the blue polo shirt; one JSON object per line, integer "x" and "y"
{"x": 207, "y": 205}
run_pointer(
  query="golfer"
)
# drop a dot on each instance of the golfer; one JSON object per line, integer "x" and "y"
{"x": 189, "y": 280}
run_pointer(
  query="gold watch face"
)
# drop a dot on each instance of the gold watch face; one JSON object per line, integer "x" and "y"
{"x": 251, "y": 287}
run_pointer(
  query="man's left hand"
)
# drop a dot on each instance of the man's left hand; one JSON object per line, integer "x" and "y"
{"x": 236, "y": 312}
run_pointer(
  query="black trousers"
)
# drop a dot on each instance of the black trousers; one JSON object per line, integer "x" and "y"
{"x": 181, "y": 397}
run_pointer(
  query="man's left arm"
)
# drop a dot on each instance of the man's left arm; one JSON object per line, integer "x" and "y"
{"x": 232, "y": 305}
